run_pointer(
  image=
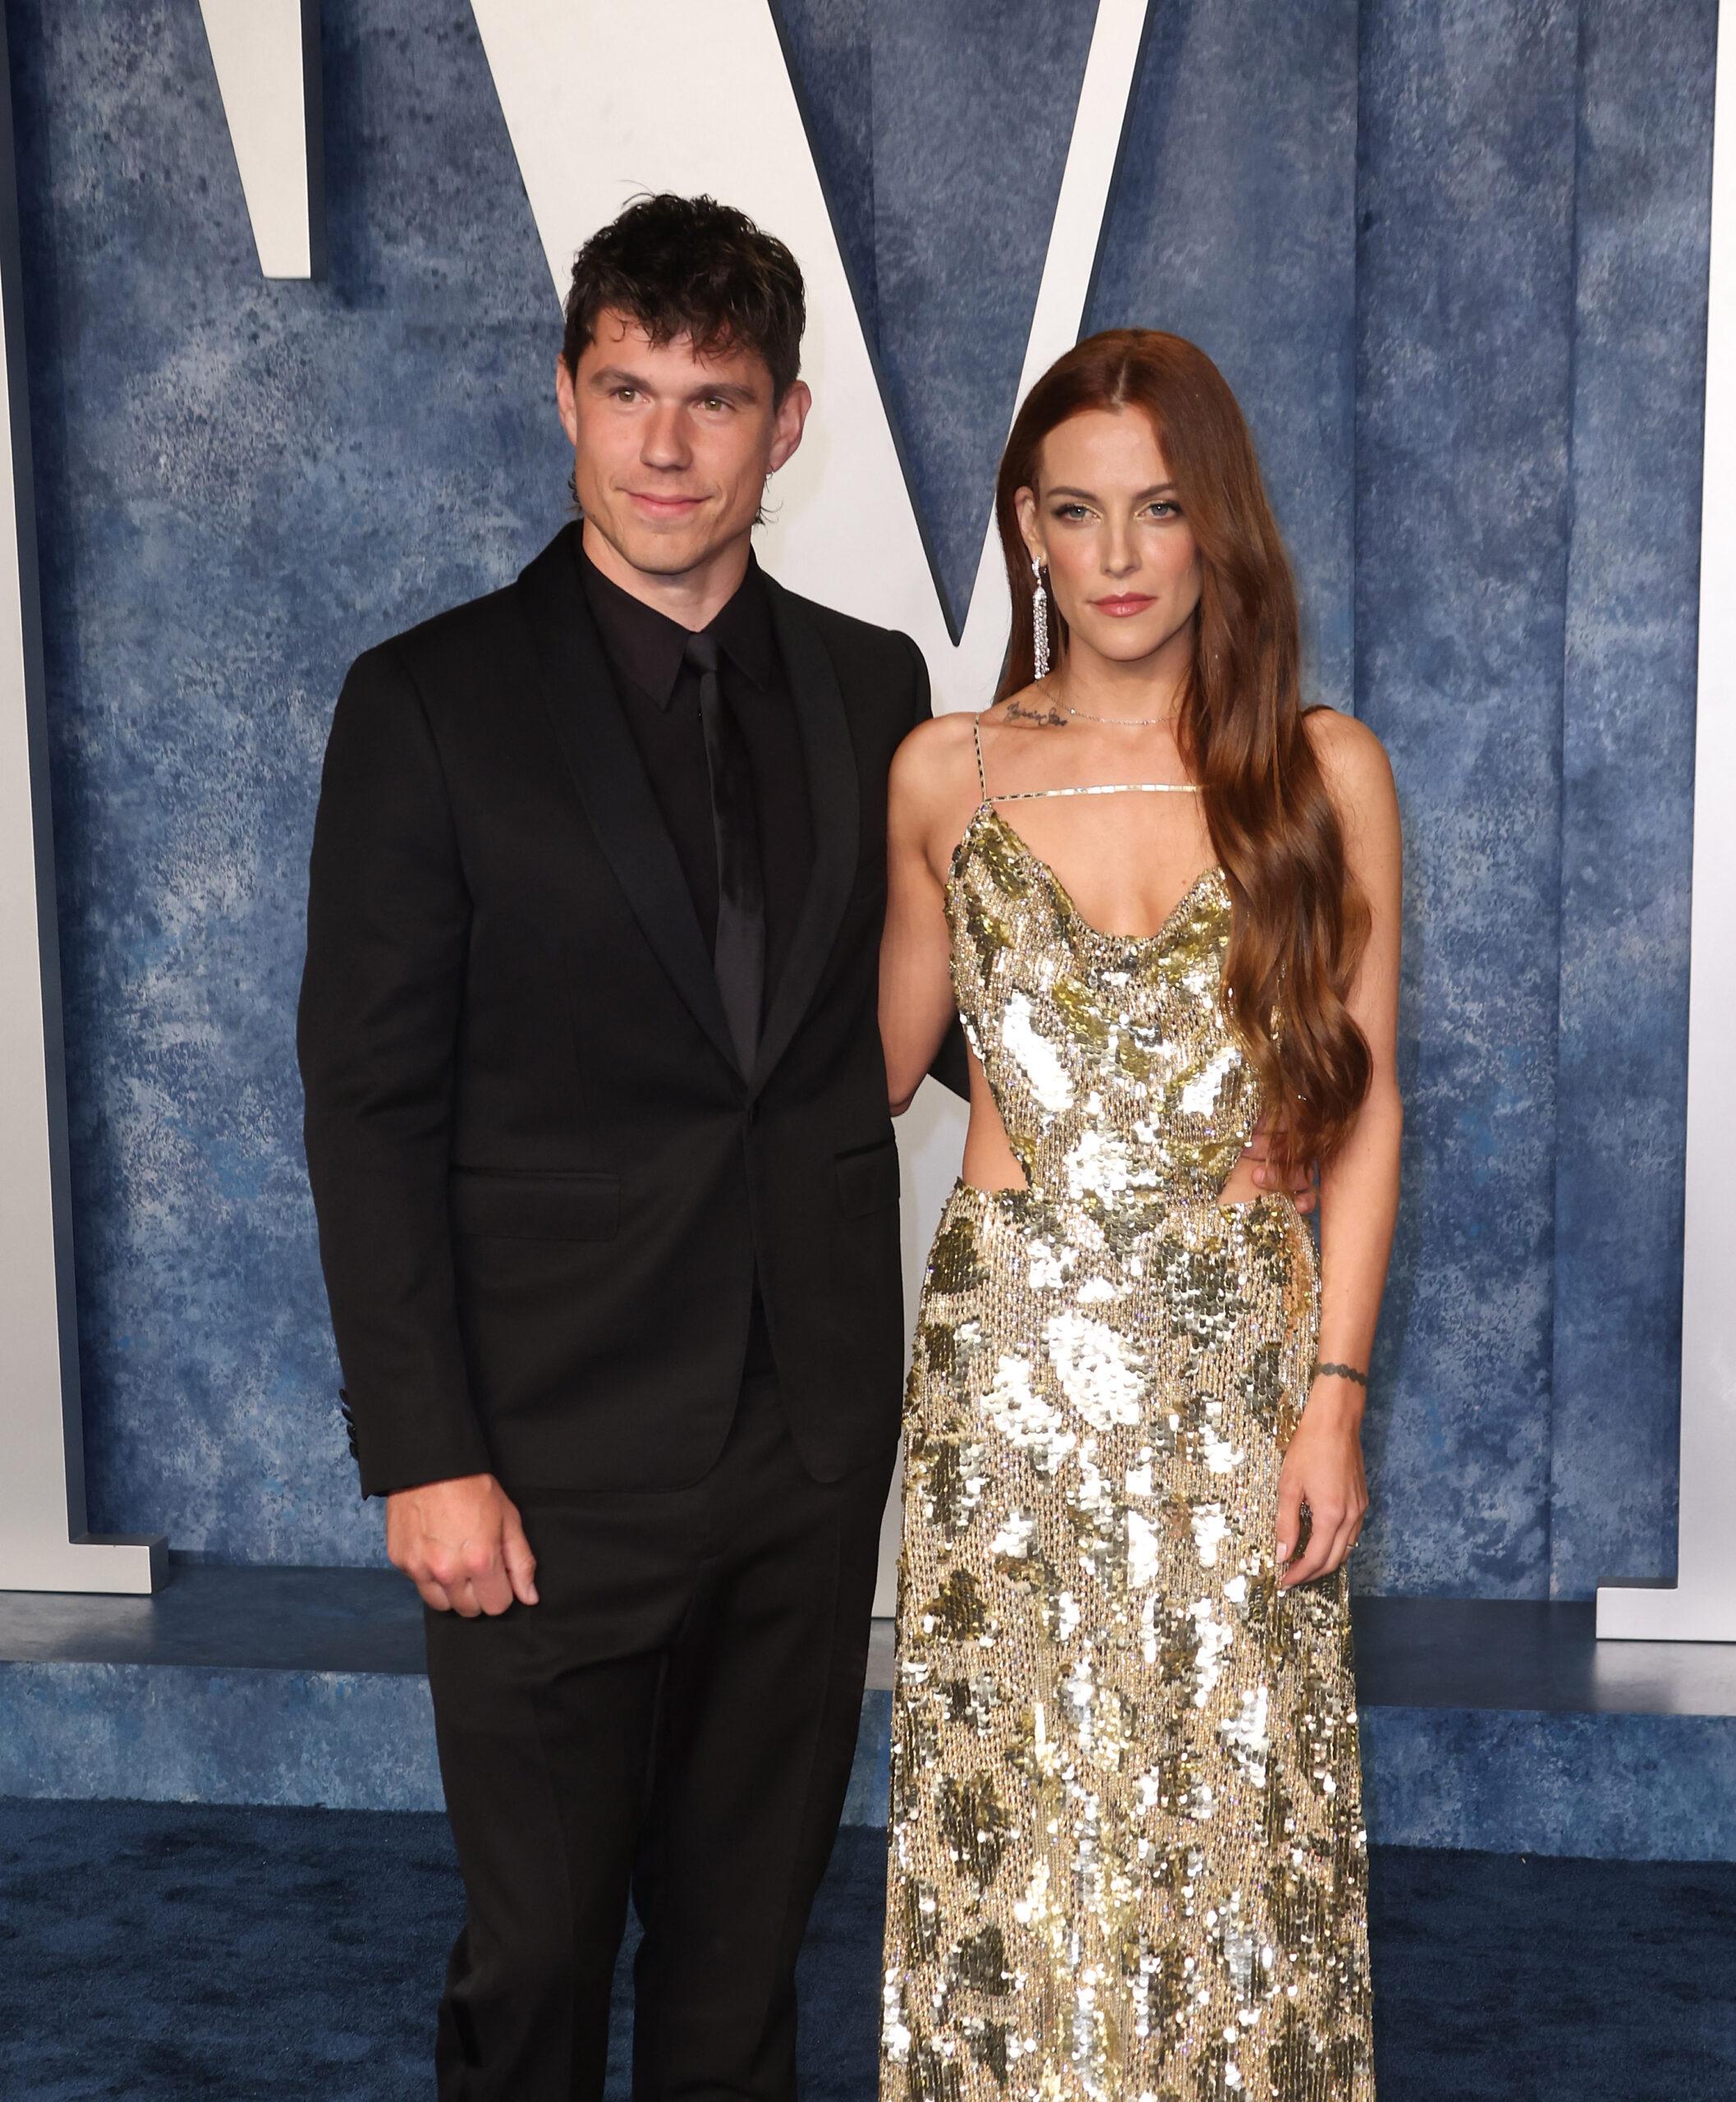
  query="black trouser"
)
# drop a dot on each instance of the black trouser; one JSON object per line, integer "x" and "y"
{"x": 676, "y": 1715}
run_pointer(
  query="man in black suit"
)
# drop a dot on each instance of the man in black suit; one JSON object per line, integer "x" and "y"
{"x": 607, "y": 1195}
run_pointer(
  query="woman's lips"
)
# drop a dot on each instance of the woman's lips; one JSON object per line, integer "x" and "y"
{"x": 1133, "y": 602}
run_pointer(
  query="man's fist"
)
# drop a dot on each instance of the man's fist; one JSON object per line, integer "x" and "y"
{"x": 462, "y": 1544}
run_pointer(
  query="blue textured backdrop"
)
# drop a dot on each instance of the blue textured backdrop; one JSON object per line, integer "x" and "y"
{"x": 1453, "y": 259}
{"x": 1532, "y": 212}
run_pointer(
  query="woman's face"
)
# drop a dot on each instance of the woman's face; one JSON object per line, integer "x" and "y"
{"x": 1106, "y": 520}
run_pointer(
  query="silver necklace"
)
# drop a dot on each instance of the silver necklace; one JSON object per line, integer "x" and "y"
{"x": 1120, "y": 721}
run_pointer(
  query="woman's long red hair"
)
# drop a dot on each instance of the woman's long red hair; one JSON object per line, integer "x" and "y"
{"x": 1300, "y": 922}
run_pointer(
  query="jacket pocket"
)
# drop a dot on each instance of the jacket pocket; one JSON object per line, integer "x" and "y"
{"x": 867, "y": 1177}
{"x": 501, "y": 1204}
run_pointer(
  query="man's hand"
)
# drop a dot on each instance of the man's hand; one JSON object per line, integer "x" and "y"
{"x": 1302, "y": 1181}
{"x": 462, "y": 1544}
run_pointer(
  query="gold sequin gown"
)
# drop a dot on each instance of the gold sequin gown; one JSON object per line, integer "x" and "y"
{"x": 1128, "y": 1861}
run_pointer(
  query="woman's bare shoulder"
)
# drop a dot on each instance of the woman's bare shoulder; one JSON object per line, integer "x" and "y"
{"x": 1359, "y": 779}
{"x": 1359, "y": 775}
{"x": 936, "y": 760}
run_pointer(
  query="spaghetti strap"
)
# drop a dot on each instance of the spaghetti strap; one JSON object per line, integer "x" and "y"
{"x": 1088, "y": 788}
{"x": 1100, "y": 788}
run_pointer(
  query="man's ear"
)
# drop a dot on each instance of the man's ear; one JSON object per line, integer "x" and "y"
{"x": 789, "y": 420}
{"x": 566, "y": 406}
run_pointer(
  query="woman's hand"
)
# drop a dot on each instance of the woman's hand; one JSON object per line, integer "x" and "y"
{"x": 1322, "y": 1468}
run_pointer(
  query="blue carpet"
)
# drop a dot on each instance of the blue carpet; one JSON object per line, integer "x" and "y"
{"x": 158, "y": 1951}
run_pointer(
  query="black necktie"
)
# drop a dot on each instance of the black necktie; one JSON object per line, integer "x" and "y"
{"x": 738, "y": 952}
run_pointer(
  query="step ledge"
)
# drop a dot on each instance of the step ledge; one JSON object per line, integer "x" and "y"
{"x": 1633, "y": 1786}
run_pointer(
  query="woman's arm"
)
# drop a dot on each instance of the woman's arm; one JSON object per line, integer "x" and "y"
{"x": 916, "y": 1007}
{"x": 1359, "y": 1186}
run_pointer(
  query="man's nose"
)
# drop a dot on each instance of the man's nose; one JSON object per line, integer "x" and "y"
{"x": 665, "y": 439}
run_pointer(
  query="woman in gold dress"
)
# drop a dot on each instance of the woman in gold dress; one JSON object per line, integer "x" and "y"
{"x": 1128, "y": 1861}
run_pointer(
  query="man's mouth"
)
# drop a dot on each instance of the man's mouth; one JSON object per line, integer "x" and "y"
{"x": 660, "y": 505}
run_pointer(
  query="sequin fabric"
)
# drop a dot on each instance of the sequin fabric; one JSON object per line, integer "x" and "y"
{"x": 1128, "y": 1862}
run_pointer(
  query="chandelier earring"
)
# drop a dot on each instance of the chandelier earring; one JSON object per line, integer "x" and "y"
{"x": 1039, "y": 623}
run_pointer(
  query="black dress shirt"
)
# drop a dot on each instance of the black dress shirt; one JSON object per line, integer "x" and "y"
{"x": 659, "y": 692}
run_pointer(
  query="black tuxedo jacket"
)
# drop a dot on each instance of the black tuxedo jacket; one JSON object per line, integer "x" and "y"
{"x": 542, "y": 1180}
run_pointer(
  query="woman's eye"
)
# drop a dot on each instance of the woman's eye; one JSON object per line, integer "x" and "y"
{"x": 1069, "y": 511}
{"x": 1164, "y": 508}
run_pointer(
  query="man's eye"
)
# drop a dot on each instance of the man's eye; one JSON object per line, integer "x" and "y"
{"x": 626, "y": 394}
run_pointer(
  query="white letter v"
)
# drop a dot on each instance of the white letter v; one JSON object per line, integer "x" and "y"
{"x": 605, "y": 100}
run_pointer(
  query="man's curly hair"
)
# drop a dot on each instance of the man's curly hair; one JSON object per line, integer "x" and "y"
{"x": 689, "y": 266}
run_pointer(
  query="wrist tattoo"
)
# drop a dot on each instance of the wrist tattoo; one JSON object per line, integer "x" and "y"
{"x": 1343, "y": 1372}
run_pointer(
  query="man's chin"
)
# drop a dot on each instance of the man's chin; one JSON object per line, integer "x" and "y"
{"x": 671, "y": 550}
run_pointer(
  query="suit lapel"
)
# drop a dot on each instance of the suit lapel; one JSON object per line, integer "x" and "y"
{"x": 833, "y": 796}
{"x": 592, "y": 728}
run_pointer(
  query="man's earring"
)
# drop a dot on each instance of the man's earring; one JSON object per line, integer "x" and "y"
{"x": 1039, "y": 623}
